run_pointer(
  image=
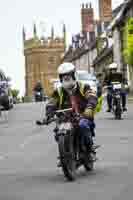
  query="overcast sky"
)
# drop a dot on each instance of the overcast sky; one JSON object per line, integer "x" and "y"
{"x": 15, "y": 13}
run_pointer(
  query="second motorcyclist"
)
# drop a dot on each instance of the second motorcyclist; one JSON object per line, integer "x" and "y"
{"x": 108, "y": 82}
{"x": 38, "y": 91}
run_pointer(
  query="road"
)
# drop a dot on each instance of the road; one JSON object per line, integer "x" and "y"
{"x": 28, "y": 159}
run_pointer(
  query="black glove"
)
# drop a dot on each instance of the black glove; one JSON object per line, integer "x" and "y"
{"x": 50, "y": 110}
{"x": 43, "y": 122}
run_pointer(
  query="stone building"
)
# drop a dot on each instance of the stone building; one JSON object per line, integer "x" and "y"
{"x": 42, "y": 56}
{"x": 83, "y": 50}
{"x": 105, "y": 12}
{"x": 108, "y": 42}
{"x": 117, "y": 27}
{"x": 114, "y": 53}
{"x": 82, "y": 57}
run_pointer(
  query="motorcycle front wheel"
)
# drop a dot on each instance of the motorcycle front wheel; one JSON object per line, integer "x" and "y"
{"x": 88, "y": 163}
{"x": 118, "y": 110}
{"x": 66, "y": 154}
{"x": 89, "y": 166}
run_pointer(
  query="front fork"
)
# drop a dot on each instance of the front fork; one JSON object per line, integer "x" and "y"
{"x": 117, "y": 104}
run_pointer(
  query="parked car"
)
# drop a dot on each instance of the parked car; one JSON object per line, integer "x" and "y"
{"x": 6, "y": 99}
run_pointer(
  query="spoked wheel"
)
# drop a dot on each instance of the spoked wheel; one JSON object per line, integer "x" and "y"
{"x": 89, "y": 166}
{"x": 89, "y": 161}
{"x": 118, "y": 116}
{"x": 67, "y": 157}
{"x": 118, "y": 111}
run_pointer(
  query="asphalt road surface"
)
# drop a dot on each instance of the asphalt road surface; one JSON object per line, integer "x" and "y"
{"x": 28, "y": 159}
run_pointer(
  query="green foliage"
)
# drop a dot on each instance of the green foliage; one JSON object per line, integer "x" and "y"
{"x": 15, "y": 93}
{"x": 100, "y": 44}
{"x": 128, "y": 42}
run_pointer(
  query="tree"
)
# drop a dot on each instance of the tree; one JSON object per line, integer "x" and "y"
{"x": 128, "y": 48}
{"x": 128, "y": 51}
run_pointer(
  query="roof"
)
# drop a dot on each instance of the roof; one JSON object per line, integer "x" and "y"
{"x": 119, "y": 17}
{"x": 78, "y": 52}
{"x": 116, "y": 10}
{"x": 105, "y": 53}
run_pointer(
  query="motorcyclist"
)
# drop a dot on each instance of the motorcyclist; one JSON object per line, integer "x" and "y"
{"x": 108, "y": 81}
{"x": 79, "y": 96}
{"x": 38, "y": 88}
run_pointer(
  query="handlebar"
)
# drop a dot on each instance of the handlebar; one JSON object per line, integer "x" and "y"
{"x": 50, "y": 119}
{"x": 63, "y": 110}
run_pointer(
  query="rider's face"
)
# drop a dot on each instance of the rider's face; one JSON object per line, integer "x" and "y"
{"x": 67, "y": 77}
{"x": 113, "y": 70}
{"x": 68, "y": 81}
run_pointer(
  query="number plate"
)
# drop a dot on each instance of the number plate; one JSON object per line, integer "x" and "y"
{"x": 116, "y": 86}
{"x": 65, "y": 126}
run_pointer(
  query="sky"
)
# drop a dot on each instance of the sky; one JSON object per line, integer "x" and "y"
{"x": 15, "y": 13}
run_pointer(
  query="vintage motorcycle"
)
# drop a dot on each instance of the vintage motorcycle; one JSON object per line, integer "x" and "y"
{"x": 38, "y": 96}
{"x": 67, "y": 137}
{"x": 116, "y": 98}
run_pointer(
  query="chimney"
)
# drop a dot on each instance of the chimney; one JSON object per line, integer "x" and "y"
{"x": 52, "y": 32}
{"x": 105, "y": 11}
{"x": 24, "y": 35}
{"x": 87, "y": 19}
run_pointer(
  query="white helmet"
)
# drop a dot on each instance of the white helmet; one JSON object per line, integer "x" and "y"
{"x": 113, "y": 65}
{"x": 64, "y": 69}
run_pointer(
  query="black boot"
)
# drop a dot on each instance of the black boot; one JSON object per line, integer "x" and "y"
{"x": 124, "y": 109}
{"x": 108, "y": 110}
{"x": 43, "y": 122}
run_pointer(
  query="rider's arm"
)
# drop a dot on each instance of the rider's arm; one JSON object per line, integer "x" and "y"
{"x": 91, "y": 98}
{"x": 53, "y": 103}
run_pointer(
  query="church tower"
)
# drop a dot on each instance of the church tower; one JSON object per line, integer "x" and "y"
{"x": 42, "y": 57}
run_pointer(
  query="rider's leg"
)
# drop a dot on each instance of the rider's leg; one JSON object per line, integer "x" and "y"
{"x": 85, "y": 133}
{"x": 123, "y": 96}
{"x": 109, "y": 101}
